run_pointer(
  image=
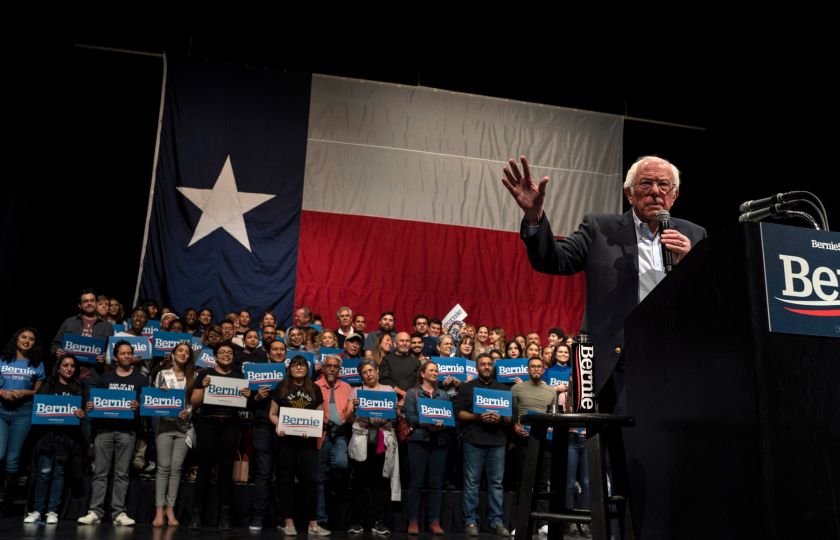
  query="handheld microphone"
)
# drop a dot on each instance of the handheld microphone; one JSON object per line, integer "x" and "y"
{"x": 664, "y": 219}
{"x": 765, "y": 202}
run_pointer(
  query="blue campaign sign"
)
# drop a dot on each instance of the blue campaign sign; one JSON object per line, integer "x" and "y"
{"x": 206, "y": 358}
{"x": 433, "y": 410}
{"x": 508, "y": 370}
{"x": 556, "y": 375}
{"x": 310, "y": 359}
{"x": 141, "y": 345}
{"x": 118, "y": 327}
{"x": 801, "y": 273}
{"x": 165, "y": 342}
{"x": 158, "y": 402}
{"x": 472, "y": 370}
{"x": 451, "y": 366}
{"x": 349, "y": 372}
{"x": 264, "y": 374}
{"x": 113, "y": 404}
{"x": 85, "y": 349}
{"x": 56, "y": 410}
{"x": 196, "y": 344}
{"x": 497, "y": 401}
{"x": 151, "y": 328}
{"x": 374, "y": 404}
{"x": 328, "y": 351}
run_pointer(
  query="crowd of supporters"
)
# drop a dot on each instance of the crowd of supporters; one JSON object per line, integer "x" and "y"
{"x": 371, "y": 457}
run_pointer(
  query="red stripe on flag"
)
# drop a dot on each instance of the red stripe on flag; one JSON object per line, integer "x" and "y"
{"x": 410, "y": 267}
{"x": 816, "y": 312}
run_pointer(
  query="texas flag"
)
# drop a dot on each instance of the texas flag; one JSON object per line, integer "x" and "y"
{"x": 274, "y": 190}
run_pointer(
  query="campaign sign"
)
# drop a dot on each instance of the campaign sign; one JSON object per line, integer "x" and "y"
{"x": 472, "y": 370}
{"x": 374, "y": 404}
{"x": 151, "y": 328}
{"x": 165, "y": 342}
{"x": 140, "y": 344}
{"x": 433, "y": 410}
{"x": 205, "y": 358}
{"x": 225, "y": 391}
{"x": 802, "y": 280}
{"x": 349, "y": 372}
{"x": 118, "y": 327}
{"x": 454, "y": 366}
{"x": 196, "y": 344}
{"x": 497, "y": 401}
{"x": 301, "y": 422}
{"x": 328, "y": 351}
{"x": 113, "y": 404}
{"x": 85, "y": 349}
{"x": 264, "y": 374}
{"x": 508, "y": 370}
{"x": 556, "y": 375}
{"x": 56, "y": 410}
{"x": 310, "y": 359}
{"x": 159, "y": 402}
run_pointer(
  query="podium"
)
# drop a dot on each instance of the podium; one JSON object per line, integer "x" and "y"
{"x": 738, "y": 428}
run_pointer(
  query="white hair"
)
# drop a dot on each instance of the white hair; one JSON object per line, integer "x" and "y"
{"x": 634, "y": 170}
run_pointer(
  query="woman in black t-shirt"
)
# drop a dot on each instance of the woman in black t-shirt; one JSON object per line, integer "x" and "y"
{"x": 297, "y": 456}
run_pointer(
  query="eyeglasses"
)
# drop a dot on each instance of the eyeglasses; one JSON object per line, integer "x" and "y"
{"x": 644, "y": 186}
{"x": 224, "y": 353}
{"x": 536, "y": 367}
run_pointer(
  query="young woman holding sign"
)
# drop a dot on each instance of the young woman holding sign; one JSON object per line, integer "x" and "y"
{"x": 427, "y": 449}
{"x": 297, "y": 455}
{"x": 171, "y": 437}
{"x": 59, "y": 448}
{"x": 217, "y": 428}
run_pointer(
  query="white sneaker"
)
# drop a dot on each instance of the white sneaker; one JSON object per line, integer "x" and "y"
{"x": 123, "y": 519}
{"x": 544, "y": 530}
{"x": 52, "y": 518}
{"x": 32, "y": 517}
{"x": 317, "y": 530}
{"x": 89, "y": 519}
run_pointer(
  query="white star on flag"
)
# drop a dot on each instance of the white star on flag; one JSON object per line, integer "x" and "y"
{"x": 223, "y": 206}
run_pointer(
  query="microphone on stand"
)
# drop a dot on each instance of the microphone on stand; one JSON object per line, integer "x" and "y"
{"x": 664, "y": 219}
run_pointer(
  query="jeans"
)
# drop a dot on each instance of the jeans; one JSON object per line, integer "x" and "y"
{"x": 14, "y": 427}
{"x": 116, "y": 446}
{"x": 492, "y": 459}
{"x": 171, "y": 451}
{"x": 331, "y": 456}
{"x": 262, "y": 459}
{"x": 48, "y": 469}
{"x": 423, "y": 455}
{"x": 577, "y": 469}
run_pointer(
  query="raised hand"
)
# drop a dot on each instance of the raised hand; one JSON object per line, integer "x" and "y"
{"x": 528, "y": 195}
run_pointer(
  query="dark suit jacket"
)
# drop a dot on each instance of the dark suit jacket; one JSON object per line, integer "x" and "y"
{"x": 605, "y": 247}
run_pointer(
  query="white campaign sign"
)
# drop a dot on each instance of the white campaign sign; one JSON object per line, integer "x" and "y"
{"x": 301, "y": 422}
{"x": 225, "y": 391}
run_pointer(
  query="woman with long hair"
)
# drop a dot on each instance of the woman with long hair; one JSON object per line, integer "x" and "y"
{"x": 171, "y": 437}
{"x": 116, "y": 312}
{"x": 427, "y": 450}
{"x": 297, "y": 456}
{"x": 466, "y": 348}
{"x": 497, "y": 339}
{"x": 382, "y": 346}
{"x": 513, "y": 350}
{"x": 217, "y": 429}
{"x": 58, "y": 448}
{"x": 482, "y": 339}
{"x": 21, "y": 375}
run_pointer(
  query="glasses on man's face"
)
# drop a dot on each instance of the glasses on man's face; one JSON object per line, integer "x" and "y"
{"x": 536, "y": 367}
{"x": 645, "y": 186}
{"x": 224, "y": 353}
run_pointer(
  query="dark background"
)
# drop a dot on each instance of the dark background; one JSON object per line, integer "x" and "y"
{"x": 761, "y": 119}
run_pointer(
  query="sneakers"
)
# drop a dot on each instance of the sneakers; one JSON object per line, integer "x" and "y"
{"x": 501, "y": 530}
{"x": 52, "y": 518}
{"x": 123, "y": 519}
{"x": 317, "y": 530}
{"x": 289, "y": 531}
{"x": 570, "y": 530}
{"x": 89, "y": 519}
{"x": 435, "y": 528}
{"x": 471, "y": 529}
{"x": 584, "y": 530}
{"x": 355, "y": 529}
{"x": 256, "y": 523}
{"x": 381, "y": 529}
{"x": 32, "y": 517}
{"x": 413, "y": 528}
{"x": 544, "y": 530}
